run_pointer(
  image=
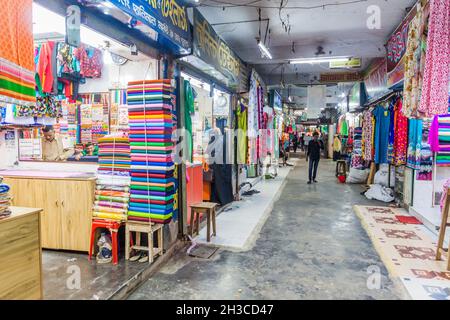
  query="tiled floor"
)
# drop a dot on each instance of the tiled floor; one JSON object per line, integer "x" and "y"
{"x": 409, "y": 252}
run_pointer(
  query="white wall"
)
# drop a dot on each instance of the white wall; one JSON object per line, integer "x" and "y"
{"x": 423, "y": 195}
{"x": 114, "y": 76}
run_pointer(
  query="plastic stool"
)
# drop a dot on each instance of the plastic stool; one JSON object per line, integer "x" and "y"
{"x": 113, "y": 227}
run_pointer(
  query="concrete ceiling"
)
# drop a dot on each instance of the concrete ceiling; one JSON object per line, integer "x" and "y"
{"x": 340, "y": 28}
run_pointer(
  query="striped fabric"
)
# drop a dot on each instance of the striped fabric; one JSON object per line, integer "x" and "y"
{"x": 152, "y": 167}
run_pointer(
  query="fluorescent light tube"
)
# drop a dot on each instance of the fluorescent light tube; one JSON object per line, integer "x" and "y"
{"x": 264, "y": 50}
{"x": 319, "y": 60}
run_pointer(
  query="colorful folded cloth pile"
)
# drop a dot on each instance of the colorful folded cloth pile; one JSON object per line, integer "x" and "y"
{"x": 112, "y": 192}
{"x": 152, "y": 168}
{"x": 5, "y": 200}
{"x": 114, "y": 153}
{"x": 439, "y": 139}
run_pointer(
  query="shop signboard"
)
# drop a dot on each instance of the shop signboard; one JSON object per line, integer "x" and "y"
{"x": 276, "y": 101}
{"x": 396, "y": 49}
{"x": 376, "y": 79}
{"x": 351, "y": 63}
{"x": 167, "y": 17}
{"x": 339, "y": 77}
{"x": 209, "y": 47}
{"x": 355, "y": 97}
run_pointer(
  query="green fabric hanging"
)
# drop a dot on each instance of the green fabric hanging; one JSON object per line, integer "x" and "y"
{"x": 189, "y": 111}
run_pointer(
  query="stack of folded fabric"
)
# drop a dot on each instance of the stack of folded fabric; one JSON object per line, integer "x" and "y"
{"x": 5, "y": 200}
{"x": 112, "y": 192}
{"x": 152, "y": 167}
{"x": 114, "y": 153}
{"x": 440, "y": 140}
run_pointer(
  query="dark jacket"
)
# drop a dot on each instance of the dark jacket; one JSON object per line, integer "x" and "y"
{"x": 314, "y": 148}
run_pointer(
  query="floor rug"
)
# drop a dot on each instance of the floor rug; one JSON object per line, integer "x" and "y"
{"x": 408, "y": 252}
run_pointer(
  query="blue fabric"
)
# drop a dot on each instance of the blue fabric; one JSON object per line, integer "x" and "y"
{"x": 391, "y": 131}
{"x": 382, "y": 123}
{"x": 4, "y": 188}
{"x": 415, "y": 130}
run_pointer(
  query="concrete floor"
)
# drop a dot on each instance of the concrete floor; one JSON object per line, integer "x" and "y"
{"x": 71, "y": 276}
{"x": 311, "y": 247}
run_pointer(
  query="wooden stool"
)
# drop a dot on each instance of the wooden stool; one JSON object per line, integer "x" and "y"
{"x": 113, "y": 227}
{"x": 341, "y": 168}
{"x": 444, "y": 224}
{"x": 149, "y": 229}
{"x": 209, "y": 208}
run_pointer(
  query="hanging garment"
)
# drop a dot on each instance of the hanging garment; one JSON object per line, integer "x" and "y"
{"x": 45, "y": 67}
{"x": 434, "y": 100}
{"x": 411, "y": 61}
{"x": 392, "y": 131}
{"x": 189, "y": 111}
{"x": 414, "y": 143}
{"x": 222, "y": 189}
{"x": 91, "y": 61}
{"x": 242, "y": 115}
{"x": 368, "y": 129}
{"x": 401, "y": 135}
{"x": 382, "y": 120}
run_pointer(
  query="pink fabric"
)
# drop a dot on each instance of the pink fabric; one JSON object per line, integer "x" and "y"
{"x": 434, "y": 99}
{"x": 433, "y": 137}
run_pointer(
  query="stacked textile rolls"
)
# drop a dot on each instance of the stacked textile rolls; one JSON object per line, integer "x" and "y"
{"x": 152, "y": 167}
{"x": 5, "y": 200}
{"x": 114, "y": 153}
{"x": 440, "y": 140}
{"x": 112, "y": 192}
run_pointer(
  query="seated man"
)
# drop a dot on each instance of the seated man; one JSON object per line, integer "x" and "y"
{"x": 90, "y": 150}
{"x": 52, "y": 146}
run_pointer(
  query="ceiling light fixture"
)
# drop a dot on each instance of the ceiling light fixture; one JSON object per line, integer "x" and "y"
{"x": 319, "y": 60}
{"x": 264, "y": 51}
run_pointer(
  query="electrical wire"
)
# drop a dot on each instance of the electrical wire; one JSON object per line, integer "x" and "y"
{"x": 252, "y": 4}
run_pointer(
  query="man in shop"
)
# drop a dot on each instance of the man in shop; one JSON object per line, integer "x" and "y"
{"x": 313, "y": 156}
{"x": 90, "y": 150}
{"x": 52, "y": 146}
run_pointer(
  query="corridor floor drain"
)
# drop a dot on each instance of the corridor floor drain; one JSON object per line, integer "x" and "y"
{"x": 203, "y": 251}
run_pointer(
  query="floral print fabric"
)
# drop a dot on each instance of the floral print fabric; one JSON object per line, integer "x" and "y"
{"x": 437, "y": 68}
{"x": 368, "y": 134}
{"x": 401, "y": 135}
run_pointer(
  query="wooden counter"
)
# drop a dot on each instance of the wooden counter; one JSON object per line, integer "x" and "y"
{"x": 20, "y": 255}
{"x": 67, "y": 201}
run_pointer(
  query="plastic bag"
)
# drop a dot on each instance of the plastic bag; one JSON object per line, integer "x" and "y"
{"x": 104, "y": 244}
{"x": 357, "y": 176}
{"x": 378, "y": 192}
{"x": 382, "y": 176}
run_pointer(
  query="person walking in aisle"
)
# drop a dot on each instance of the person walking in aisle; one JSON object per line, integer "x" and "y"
{"x": 313, "y": 155}
{"x": 295, "y": 142}
{"x": 302, "y": 142}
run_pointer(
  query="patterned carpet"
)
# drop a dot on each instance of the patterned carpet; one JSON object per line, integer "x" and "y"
{"x": 408, "y": 252}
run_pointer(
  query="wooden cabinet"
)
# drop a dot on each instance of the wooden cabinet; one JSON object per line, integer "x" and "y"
{"x": 20, "y": 255}
{"x": 67, "y": 209}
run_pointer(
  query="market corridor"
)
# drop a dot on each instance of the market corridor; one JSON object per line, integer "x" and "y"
{"x": 311, "y": 247}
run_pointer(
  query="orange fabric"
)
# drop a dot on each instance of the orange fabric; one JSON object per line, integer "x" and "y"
{"x": 17, "y": 83}
{"x": 16, "y": 36}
